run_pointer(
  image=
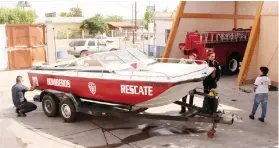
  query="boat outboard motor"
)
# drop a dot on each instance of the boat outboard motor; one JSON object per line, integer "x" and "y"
{"x": 211, "y": 103}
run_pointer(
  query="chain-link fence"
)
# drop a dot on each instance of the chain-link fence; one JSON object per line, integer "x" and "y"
{"x": 120, "y": 39}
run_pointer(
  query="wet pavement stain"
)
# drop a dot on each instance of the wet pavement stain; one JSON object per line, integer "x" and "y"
{"x": 148, "y": 132}
{"x": 22, "y": 144}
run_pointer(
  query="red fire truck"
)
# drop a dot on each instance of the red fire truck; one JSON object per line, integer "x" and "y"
{"x": 229, "y": 46}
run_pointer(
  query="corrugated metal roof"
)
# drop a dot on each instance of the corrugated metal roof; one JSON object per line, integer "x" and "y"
{"x": 121, "y": 24}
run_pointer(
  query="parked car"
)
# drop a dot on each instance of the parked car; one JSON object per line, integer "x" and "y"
{"x": 81, "y": 47}
{"x": 104, "y": 38}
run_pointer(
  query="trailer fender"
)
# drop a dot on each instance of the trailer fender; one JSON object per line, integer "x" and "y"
{"x": 60, "y": 95}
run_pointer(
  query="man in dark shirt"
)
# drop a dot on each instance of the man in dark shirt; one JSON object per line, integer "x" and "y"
{"x": 19, "y": 100}
{"x": 210, "y": 81}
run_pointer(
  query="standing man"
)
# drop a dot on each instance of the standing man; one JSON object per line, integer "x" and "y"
{"x": 19, "y": 100}
{"x": 191, "y": 60}
{"x": 210, "y": 82}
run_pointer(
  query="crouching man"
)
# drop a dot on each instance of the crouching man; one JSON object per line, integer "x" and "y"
{"x": 19, "y": 100}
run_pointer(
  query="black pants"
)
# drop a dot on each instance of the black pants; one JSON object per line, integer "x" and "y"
{"x": 26, "y": 107}
{"x": 209, "y": 103}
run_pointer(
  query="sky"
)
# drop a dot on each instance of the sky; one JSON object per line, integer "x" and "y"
{"x": 91, "y": 7}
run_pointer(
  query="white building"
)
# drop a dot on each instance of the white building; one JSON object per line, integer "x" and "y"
{"x": 163, "y": 21}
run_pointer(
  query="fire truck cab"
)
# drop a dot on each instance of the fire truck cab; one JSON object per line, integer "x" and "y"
{"x": 229, "y": 46}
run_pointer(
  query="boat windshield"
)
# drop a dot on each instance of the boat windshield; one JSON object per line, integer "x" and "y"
{"x": 138, "y": 54}
{"x": 112, "y": 58}
{"x": 109, "y": 58}
{"x": 126, "y": 56}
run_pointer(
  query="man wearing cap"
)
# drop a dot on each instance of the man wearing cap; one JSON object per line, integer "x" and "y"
{"x": 191, "y": 60}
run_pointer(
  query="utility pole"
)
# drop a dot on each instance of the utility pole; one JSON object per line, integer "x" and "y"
{"x": 133, "y": 15}
{"x": 133, "y": 25}
{"x": 154, "y": 34}
{"x": 135, "y": 21}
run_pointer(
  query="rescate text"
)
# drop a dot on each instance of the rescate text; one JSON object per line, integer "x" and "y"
{"x": 137, "y": 90}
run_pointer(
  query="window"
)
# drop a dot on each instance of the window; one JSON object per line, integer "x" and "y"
{"x": 72, "y": 43}
{"x": 167, "y": 33}
{"x": 91, "y": 43}
{"x": 80, "y": 43}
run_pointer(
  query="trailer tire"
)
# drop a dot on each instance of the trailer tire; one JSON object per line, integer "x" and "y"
{"x": 68, "y": 110}
{"x": 50, "y": 106}
{"x": 232, "y": 65}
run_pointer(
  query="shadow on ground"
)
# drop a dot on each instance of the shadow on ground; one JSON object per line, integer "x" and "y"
{"x": 103, "y": 132}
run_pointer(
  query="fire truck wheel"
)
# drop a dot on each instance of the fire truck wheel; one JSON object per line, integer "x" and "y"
{"x": 232, "y": 66}
{"x": 68, "y": 110}
{"x": 50, "y": 106}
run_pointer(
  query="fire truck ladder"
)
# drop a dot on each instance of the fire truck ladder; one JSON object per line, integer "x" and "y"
{"x": 219, "y": 37}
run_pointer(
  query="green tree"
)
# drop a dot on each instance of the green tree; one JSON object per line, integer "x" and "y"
{"x": 114, "y": 18}
{"x": 63, "y": 14}
{"x": 95, "y": 25}
{"x": 147, "y": 18}
{"x": 16, "y": 16}
{"x": 23, "y": 4}
{"x": 74, "y": 12}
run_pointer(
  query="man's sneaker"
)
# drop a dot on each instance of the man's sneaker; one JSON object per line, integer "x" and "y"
{"x": 260, "y": 119}
{"x": 22, "y": 114}
{"x": 251, "y": 117}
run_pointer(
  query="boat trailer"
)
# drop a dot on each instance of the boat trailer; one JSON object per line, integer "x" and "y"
{"x": 68, "y": 105}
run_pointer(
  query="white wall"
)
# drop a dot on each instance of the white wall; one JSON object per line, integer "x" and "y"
{"x": 3, "y": 50}
{"x": 161, "y": 27}
{"x": 192, "y": 24}
{"x": 213, "y": 7}
{"x": 51, "y": 53}
{"x": 247, "y": 7}
{"x": 266, "y": 50}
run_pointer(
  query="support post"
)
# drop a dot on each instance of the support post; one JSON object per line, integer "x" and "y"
{"x": 250, "y": 45}
{"x": 235, "y": 13}
{"x": 173, "y": 31}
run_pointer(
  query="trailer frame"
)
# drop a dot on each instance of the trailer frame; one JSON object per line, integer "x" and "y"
{"x": 68, "y": 105}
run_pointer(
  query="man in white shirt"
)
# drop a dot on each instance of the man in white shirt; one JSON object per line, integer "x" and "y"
{"x": 191, "y": 60}
{"x": 261, "y": 87}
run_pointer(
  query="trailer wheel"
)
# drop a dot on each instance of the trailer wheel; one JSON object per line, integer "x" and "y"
{"x": 68, "y": 110}
{"x": 232, "y": 66}
{"x": 50, "y": 106}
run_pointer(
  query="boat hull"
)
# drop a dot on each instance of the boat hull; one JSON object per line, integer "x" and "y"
{"x": 137, "y": 93}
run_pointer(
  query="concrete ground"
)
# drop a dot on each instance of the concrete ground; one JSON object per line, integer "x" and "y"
{"x": 38, "y": 131}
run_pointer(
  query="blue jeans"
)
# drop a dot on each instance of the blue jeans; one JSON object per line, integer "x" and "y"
{"x": 260, "y": 98}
